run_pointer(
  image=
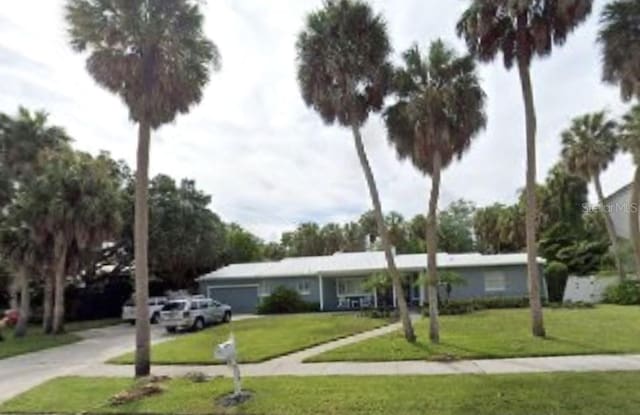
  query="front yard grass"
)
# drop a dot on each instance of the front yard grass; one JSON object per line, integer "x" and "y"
{"x": 36, "y": 340}
{"x": 611, "y": 393}
{"x": 506, "y": 333}
{"x": 259, "y": 339}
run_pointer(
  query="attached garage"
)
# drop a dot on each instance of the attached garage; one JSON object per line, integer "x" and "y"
{"x": 241, "y": 298}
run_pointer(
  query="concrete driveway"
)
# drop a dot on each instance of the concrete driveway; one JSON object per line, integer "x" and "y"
{"x": 21, "y": 373}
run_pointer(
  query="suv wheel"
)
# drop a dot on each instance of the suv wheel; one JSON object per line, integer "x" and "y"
{"x": 171, "y": 329}
{"x": 198, "y": 324}
{"x": 227, "y": 316}
{"x": 155, "y": 318}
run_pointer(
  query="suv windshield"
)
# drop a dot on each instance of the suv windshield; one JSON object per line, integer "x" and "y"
{"x": 174, "y": 305}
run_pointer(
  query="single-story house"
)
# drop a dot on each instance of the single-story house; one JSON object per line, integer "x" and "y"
{"x": 337, "y": 282}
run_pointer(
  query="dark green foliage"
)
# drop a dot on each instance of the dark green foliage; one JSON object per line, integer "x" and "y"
{"x": 468, "y": 306}
{"x": 625, "y": 293}
{"x": 386, "y": 313}
{"x": 342, "y": 54}
{"x": 285, "y": 300}
{"x": 556, "y": 274}
{"x": 620, "y": 40}
{"x": 152, "y": 53}
{"x": 240, "y": 245}
{"x": 455, "y": 227}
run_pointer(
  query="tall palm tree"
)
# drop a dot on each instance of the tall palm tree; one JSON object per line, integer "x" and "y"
{"x": 19, "y": 249}
{"x": 522, "y": 30}
{"x": 155, "y": 56}
{"x": 619, "y": 38}
{"x": 343, "y": 72}
{"x": 22, "y": 138}
{"x": 588, "y": 147}
{"x": 74, "y": 202}
{"x": 630, "y": 141}
{"x": 440, "y": 110}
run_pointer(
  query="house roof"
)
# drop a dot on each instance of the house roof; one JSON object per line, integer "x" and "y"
{"x": 358, "y": 263}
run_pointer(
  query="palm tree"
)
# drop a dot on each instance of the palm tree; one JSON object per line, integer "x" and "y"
{"x": 630, "y": 141}
{"x": 588, "y": 147}
{"x": 22, "y": 138}
{"x": 74, "y": 202}
{"x": 19, "y": 249}
{"x": 522, "y": 30}
{"x": 343, "y": 72}
{"x": 620, "y": 40}
{"x": 155, "y": 56}
{"x": 440, "y": 110}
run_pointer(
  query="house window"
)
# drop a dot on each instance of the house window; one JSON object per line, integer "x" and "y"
{"x": 350, "y": 287}
{"x": 303, "y": 287}
{"x": 495, "y": 281}
{"x": 264, "y": 289}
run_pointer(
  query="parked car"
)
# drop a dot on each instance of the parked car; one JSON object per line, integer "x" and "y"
{"x": 193, "y": 313}
{"x": 155, "y": 305}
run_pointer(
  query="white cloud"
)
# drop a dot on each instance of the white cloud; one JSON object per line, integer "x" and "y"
{"x": 268, "y": 161}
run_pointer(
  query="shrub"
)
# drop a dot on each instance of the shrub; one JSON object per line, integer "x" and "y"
{"x": 556, "y": 274}
{"x": 624, "y": 293}
{"x": 285, "y": 300}
{"x": 381, "y": 313}
{"x": 455, "y": 307}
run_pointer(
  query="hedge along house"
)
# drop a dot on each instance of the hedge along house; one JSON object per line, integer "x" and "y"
{"x": 339, "y": 281}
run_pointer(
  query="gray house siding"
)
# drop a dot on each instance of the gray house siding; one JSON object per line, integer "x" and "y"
{"x": 514, "y": 277}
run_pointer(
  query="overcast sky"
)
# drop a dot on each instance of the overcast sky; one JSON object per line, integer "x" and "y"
{"x": 268, "y": 161}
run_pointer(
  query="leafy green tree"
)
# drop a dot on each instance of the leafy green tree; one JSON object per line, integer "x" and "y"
{"x": 588, "y": 146}
{"x": 440, "y": 110}
{"x": 620, "y": 41}
{"x": 241, "y": 245}
{"x": 343, "y": 71}
{"x": 273, "y": 251}
{"x": 455, "y": 227}
{"x": 630, "y": 141}
{"x": 155, "y": 56}
{"x": 75, "y": 203}
{"x": 353, "y": 237}
{"x": 565, "y": 197}
{"x": 521, "y": 30}
{"x": 332, "y": 238}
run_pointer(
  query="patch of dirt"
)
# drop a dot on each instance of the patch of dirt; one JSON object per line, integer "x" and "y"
{"x": 231, "y": 399}
{"x": 144, "y": 387}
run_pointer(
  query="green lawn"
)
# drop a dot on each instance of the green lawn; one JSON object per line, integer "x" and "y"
{"x": 37, "y": 340}
{"x": 505, "y": 333}
{"x": 259, "y": 339}
{"x": 610, "y": 393}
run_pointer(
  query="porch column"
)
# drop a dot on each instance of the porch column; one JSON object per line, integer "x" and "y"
{"x": 375, "y": 297}
{"x": 395, "y": 299}
{"x": 422, "y": 294}
{"x": 321, "y": 289}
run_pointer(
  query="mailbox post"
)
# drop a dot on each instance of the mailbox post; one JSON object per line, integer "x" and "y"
{"x": 227, "y": 352}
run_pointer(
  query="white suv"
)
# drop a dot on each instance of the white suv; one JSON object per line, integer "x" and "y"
{"x": 193, "y": 313}
{"x": 155, "y": 305}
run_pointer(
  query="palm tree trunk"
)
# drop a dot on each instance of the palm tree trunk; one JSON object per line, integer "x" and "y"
{"x": 60, "y": 250}
{"x": 384, "y": 235}
{"x": 609, "y": 225}
{"x": 25, "y": 305}
{"x": 432, "y": 250}
{"x": 141, "y": 236}
{"x": 47, "y": 315}
{"x": 634, "y": 219}
{"x": 537, "y": 322}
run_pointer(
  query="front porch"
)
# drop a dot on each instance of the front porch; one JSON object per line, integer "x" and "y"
{"x": 359, "y": 292}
